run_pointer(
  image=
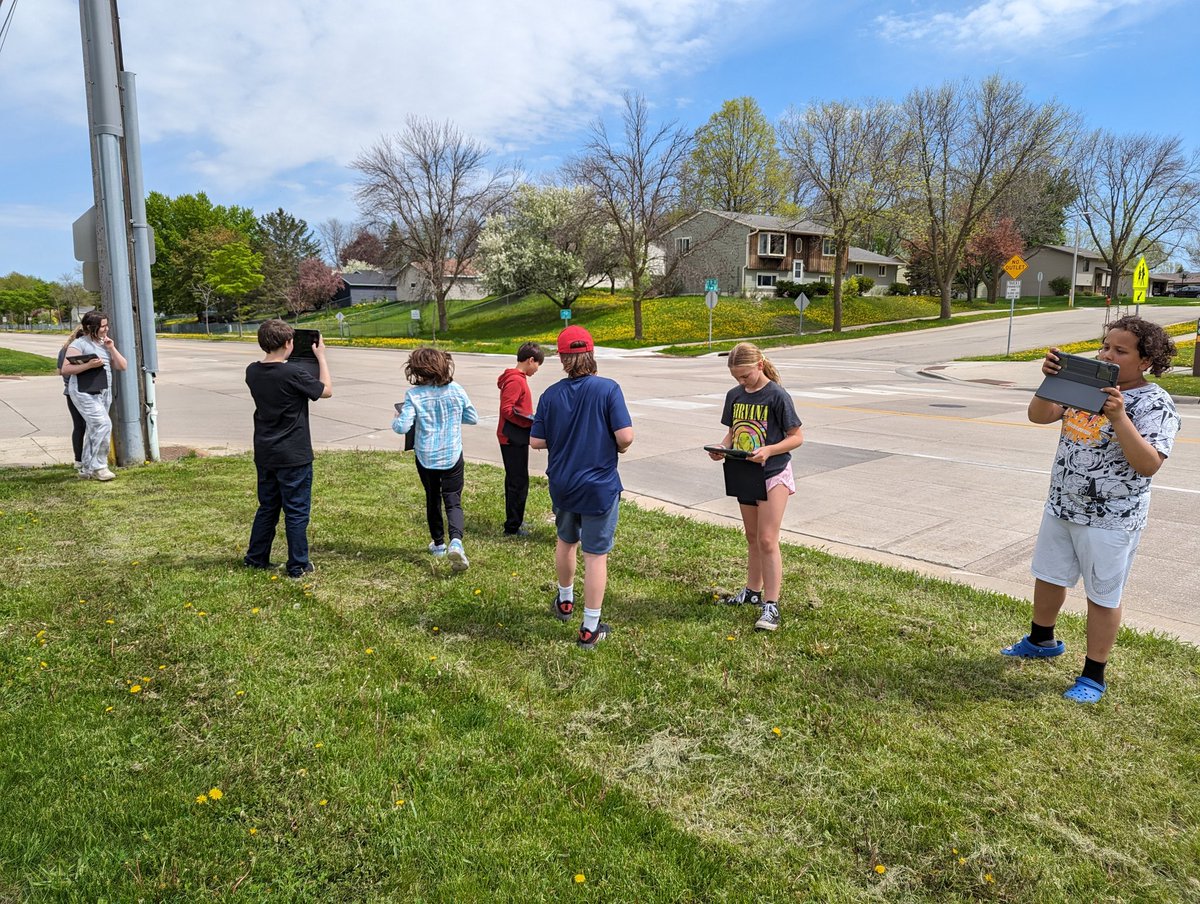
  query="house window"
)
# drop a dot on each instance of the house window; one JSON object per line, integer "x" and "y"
{"x": 882, "y": 270}
{"x": 766, "y": 280}
{"x": 683, "y": 245}
{"x": 1087, "y": 265}
{"x": 824, "y": 279}
{"x": 797, "y": 269}
{"x": 828, "y": 247}
{"x": 771, "y": 244}
{"x": 858, "y": 269}
{"x": 799, "y": 245}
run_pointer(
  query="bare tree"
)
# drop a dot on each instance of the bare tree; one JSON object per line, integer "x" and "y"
{"x": 849, "y": 163}
{"x": 1138, "y": 194}
{"x": 970, "y": 144}
{"x": 634, "y": 181}
{"x": 433, "y": 182}
{"x": 335, "y": 235}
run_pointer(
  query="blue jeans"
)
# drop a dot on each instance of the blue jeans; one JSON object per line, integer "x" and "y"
{"x": 288, "y": 490}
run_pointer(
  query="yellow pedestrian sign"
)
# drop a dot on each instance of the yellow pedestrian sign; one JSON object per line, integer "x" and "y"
{"x": 1141, "y": 281}
{"x": 1016, "y": 266}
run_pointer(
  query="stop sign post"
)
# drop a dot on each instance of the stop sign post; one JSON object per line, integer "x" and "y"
{"x": 801, "y": 303}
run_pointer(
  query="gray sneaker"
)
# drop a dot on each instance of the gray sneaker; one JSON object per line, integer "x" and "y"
{"x": 768, "y": 618}
{"x": 457, "y": 556}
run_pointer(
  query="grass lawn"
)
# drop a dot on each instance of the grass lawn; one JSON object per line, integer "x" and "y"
{"x": 176, "y": 727}
{"x": 23, "y": 364}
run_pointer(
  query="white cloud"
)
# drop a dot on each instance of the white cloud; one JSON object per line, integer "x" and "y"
{"x": 253, "y": 90}
{"x": 1028, "y": 25}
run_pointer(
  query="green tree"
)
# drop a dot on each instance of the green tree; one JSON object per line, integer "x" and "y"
{"x": 234, "y": 271}
{"x": 552, "y": 241}
{"x": 178, "y": 224}
{"x": 284, "y": 241}
{"x": 21, "y": 295}
{"x": 735, "y": 164}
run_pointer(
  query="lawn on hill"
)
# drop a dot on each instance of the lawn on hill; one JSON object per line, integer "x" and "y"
{"x": 23, "y": 364}
{"x": 177, "y": 727}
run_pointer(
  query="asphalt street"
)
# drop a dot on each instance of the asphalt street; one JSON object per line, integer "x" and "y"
{"x": 910, "y": 458}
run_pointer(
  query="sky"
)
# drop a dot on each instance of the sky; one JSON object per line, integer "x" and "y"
{"x": 264, "y": 104}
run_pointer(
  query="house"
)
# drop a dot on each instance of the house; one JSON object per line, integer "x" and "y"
{"x": 1091, "y": 273}
{"x": 414, "y": 283}
{"x": 362, "y": 286}
{"x": 749, "y": 253}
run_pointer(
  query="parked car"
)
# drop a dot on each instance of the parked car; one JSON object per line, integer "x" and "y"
{"x": 1183, "y": 292}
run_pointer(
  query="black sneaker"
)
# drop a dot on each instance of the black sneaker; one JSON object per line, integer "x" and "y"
{"x": 768, "y": 618}
{"x": 588, "y": 639}
{"x": 304, "y": 572}
{"x": 562, "y": 609}
{"x": 745, "y": 597}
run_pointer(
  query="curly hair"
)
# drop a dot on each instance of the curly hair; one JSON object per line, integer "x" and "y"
{"x": 1153, "y": 341}
{"x": 429, "y": 367}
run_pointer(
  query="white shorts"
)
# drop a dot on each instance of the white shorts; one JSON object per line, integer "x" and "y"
{"x": 1066, "y": 550}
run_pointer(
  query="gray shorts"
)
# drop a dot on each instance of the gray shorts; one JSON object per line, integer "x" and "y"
{"x": 1065, "y": 550}
{"x": 594, "y": 533}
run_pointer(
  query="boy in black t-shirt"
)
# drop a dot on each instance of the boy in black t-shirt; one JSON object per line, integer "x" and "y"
{"x": 283, "y": 452}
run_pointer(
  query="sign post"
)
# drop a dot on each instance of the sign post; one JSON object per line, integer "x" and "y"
{"x": 1039, "y": 298}
{"x": 801, "y": 304}
{"x": 1196, "y": 356}
{"x": 710, "y": 300}
{"x": 1012, "y": 293}
{"x": 1141, "y": 282}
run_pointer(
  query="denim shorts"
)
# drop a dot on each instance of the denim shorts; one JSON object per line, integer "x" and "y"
{"x": 594, "y": 533}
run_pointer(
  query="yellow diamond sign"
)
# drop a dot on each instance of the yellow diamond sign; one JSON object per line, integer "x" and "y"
{"x": 1016, "y": 266}
{"x": 1141, "y": 281}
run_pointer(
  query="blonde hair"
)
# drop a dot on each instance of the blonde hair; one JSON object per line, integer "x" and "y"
{"x": 748, "y": 353}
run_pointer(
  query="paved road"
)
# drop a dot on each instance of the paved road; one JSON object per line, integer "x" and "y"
{"x": 944, "y": 476}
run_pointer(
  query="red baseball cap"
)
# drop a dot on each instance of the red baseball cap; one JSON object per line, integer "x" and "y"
{"x": 574, "y": 340}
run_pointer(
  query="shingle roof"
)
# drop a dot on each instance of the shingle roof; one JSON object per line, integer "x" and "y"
{"x": 368, "y": 278}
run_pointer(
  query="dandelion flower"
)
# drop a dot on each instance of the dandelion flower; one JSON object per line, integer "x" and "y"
{"x": 322, "y": 802}
{"x": 580, "y": 878}
{"x": 953, "y": 850}
{"x": 239, "y": 693}
{"x": 187, "y": 605}
{"x": 729, "y": 637}
{"x": 400, "y": 802}
{"x": 134, "y": 564}
{"x": 514, "y": 574}
{"x": 318, "y": 745}
{"x": 436, "y": 629}
{"x": 43, "y": 664}
{"x": 369, "y": 650}
{"x": 962, "y": 861}
{"x": 162, "y": 668}
{"x": 777, "y": 731}
{"x": 201, "y": 614}
{"x": 478, "y": 591}
{"x": 41, "y": 633}
{"x": 201, "y": 798}
{"x": 988, "y": 877}
{"x": 108, "y": 709}
{"x": 136, "y": 689}
{"x": 253, "y": 831}
{"x": 302, "y": 771}
{"x": 109, "y": 621}
{"x": 274, "y": 577}
{"x": 254, "y": 611}
{"x": 432, "y": 658}
{"x": 216, "y": 793}
{"x": 881, "y": 869}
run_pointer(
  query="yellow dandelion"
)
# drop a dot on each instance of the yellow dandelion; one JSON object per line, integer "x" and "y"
{"x": 436, "y": 629}
{"x": 322, "y": 802}
{"x": 136, "y": 689}
{"x": 988, "y": 877}
{"x": 514, "y": 574}
{"x": 478, "y": 591}
{"x": 400, "y": 802}
{"x": 162, "y": 668}
{"x": 580, "y": 878}
{"x": 274, "y": 577}
{"x": 962, "y": 861}
{"x": 730, "y": 637}
{"x": 135, "y": 564}
{"x": 83, "y": 602}
{"x": 318, "y": 745}
{"x": 201, "y": 614}
{"x": 953, "y": 850}
{"x": 201, "y": 798}
{"x": 777, "y": 731}
{"x": 187, "y": 605}
{"x": 43, "y": 664}
{"x": 145, "y": 677}
{"x": 881, "y": 869}
{"x": 108, "y": 709}
{"x": 41, "y": 633}
{"x": 302, "y": 771}
{"x": 369, "y": 651}
{"x": 254, "y": 611}
{"x": 239, "y": 693}
{"x": 308, "y": 593}
{"x": 216, "y": 793}
{"x": 432, "y": 658}
{"x": 253, "y": 831}
{"x": 109, "y": 621}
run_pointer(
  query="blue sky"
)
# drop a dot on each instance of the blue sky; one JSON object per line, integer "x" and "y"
{"x": 264, "y": 104}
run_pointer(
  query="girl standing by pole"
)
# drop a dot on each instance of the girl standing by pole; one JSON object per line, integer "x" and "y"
{"x": 762, "y": 421}
{"x": 90, "y": 389}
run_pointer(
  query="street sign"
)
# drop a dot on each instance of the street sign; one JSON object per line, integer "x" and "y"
{"x": 710, "y": 285}
{"x": 340, "y": 316}
{"x": 1015, "y": 266}
{"x": 1014, "y": 289}
{"x": 710, "y": 299}
{"x": 414, "y": 314}
{"x": 1039, "y": 277}
{"x": 565, "y": 313}
{"x": 801, "y": 302}
{"x": 1141, "y": 281}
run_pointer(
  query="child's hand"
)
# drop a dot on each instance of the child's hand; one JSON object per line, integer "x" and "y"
{"x": 1114, "y": 405}
{"x": 716, "y": 456}
{"x": 759, "y": 456}
{"x": 1050, "y": 365}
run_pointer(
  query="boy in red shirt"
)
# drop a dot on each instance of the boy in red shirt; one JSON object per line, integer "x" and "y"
{"x": 512, "y": 430}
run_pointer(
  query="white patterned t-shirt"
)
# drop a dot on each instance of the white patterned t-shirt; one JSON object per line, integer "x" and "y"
{"x": 1092, "y": 482}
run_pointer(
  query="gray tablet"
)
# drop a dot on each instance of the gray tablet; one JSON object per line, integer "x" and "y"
{"x": 1080, "y": 383}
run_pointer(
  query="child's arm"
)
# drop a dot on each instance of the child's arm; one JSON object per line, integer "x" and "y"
{"x": 406, "y": 418}
{"x": 469, "y": 414}
{"x": 724, "y": 443}
{"x": 1142, "y": 456}
{"x": 1043, "y": 411}
{"x": 323, "y": 375}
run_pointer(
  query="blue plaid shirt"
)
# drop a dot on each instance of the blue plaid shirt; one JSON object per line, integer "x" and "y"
{"x": 439, "y": 413}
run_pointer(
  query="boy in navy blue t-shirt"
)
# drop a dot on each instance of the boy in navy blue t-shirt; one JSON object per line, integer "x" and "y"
{"x": 583, "y": 423}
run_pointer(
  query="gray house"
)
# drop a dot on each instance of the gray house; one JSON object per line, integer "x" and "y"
{"x": 749, "y": 253}
{"x": 1054, "y": 261}
{"x": 364, "y": 285}
{"x": 415, "y": 284}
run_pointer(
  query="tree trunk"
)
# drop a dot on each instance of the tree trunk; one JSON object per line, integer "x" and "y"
{"x": 839, "y": 267}
{"x": 443, "y": 323}
{"x": 945, "y": 287}
{"x": 637, "y": 317}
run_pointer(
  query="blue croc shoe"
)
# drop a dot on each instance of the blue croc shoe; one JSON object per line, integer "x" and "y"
{"x": 1085, "y": 690}
{"x": 1027, "y": 649}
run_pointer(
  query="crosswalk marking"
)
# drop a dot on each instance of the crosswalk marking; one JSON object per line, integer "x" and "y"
{"x": 674, "y": 404}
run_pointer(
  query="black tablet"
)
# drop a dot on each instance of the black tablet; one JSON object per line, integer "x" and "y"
{"x": 728, "y": 452}
{"x": 81, "y": 359}
{"x": 303, "y": 342}
{"x": 1080, "y": 384}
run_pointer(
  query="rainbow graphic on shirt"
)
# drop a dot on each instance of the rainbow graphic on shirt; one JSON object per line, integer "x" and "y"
{"x": 749, "y": 426}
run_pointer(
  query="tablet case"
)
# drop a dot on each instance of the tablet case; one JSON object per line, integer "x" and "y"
{"x": 745, "y": 479}
{"x": 302, "y": 353}
{"x": 1080, "y": 384}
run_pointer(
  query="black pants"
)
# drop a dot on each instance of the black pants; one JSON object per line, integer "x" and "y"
{"x": 288, "y": 490}
{"x": 78, "y": 429}
{"x": 443, "y": 488}
{"x": 516, "y": 485}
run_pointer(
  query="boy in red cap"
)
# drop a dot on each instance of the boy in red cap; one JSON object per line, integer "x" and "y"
{"x": 583, "y": 423}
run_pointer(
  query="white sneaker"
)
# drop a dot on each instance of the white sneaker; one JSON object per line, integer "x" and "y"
{"x": 456, "y": 555}
{"x": 104, "y": 474}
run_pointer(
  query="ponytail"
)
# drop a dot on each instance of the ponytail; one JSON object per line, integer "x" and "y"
{"x": 749, "y": 353}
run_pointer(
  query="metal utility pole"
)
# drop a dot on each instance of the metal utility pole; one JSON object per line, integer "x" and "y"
{"x": 110, "y": 140}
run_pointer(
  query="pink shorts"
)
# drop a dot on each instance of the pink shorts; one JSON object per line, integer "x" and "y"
{"x": 783, "y": 479}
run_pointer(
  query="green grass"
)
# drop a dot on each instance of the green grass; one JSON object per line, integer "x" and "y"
{"x": 652, "y": 765}
{"x": 23, "y": 364}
